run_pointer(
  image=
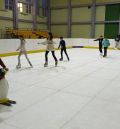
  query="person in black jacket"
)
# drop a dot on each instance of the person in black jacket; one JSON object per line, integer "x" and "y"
{"x": 62, "y": 44}
{"x": 100, "y": 39}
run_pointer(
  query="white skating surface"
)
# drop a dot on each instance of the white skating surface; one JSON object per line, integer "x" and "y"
{"x": 83, "y": 93}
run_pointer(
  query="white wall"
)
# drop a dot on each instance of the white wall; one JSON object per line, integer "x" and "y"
{"x": 10, "y": 45}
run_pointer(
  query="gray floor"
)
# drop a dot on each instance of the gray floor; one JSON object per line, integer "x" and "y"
{"x": 83, "y": 93}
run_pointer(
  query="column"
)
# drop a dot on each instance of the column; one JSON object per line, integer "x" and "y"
{"x": 15, "y": 14}
{"x": 48, "y": 16}
{"x": 93, "y": 18}
{"x": 34, "y": 14}
{"x": 69, "y": 22}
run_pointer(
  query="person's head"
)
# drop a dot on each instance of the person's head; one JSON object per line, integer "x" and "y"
{"x": 21, "y": 37}
{"x": 101, "y": 36}
{"x": 61, "y": 38}
{"x": 50, "y": 36}
{"x": 117, "y": 35}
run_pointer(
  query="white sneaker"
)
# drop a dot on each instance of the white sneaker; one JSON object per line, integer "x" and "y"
{"x": 101, "y": 54}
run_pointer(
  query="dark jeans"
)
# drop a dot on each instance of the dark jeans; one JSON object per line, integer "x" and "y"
{"x": 105, "y": 51}
{"x": 53, "y": 54}
{"x": 100, "y": 47}
{"x": 64, "y": 49}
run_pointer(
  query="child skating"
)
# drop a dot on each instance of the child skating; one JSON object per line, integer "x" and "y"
{"x": 22, "y": 50}
{"x": 62, "y": 44}
{"x": 4, "y": 86}
{"x": 100, "y": 39}
{"x": 50, "y": 47}
{"x": 106, "y": 44}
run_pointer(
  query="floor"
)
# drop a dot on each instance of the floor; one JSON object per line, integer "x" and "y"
{"x": 83, "y": 93}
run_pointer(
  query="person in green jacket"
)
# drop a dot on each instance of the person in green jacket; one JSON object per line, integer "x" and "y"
{"x": 106, "y": 44}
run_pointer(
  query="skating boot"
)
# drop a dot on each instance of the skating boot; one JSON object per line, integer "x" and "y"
{"x": 46, "y": 64}
{"x": 60, "y": 59}
{"x": 101, "y": 54}
{"x": 56, "y": 63}
{"x": 11, "y": 102}
{"x": 18, "y": 66}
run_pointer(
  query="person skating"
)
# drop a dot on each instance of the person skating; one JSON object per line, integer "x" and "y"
{"x": 49, "y": 47}
{"x": 22, "y": 50}
{"x": 106, "y": 44}
{"x": 62, "y": 44}
{"x": 100, "y": 39}
{"x": 4, "y": 86}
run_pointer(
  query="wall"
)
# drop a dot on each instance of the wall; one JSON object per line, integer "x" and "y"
{"x": 62, "y": 30}
{"x": 24, "y": 16}
{"x": 102, "y": 1}
{"x": 81, "y": 31}
{"x": 81, "y": 2}
{"x": 58, "y": 2}
{"x": 81, "y": 19}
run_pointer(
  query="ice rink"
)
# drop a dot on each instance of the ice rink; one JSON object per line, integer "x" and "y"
{"x": 83, "y": 93}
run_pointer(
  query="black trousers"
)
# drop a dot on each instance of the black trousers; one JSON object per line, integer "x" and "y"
{"x": 53, "y": 54}
{"x": 64, "y": 49}
{"x": 105, "y": 51}
{"x": 100, "y": 47}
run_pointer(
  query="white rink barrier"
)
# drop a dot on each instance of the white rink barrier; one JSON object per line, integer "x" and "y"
{"x": 10, "y": 45}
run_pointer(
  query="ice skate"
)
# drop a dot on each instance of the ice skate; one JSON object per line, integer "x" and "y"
{"x": 31, "y": 65}
{"x": 18, "y": 66}
{"x": 46, "y": 64}
{"x": 11, "y": 102}
{"x": 104, "y": 56}
{"x": 60, "y": 59}
{"x": 56, "y": 63}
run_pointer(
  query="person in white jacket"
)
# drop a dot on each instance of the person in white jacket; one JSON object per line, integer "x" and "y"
{"x": 22, "y": 50}
{"x": 49, "y": 47}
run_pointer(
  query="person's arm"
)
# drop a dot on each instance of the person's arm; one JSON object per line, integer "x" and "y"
{"x": 59, "y": 45}
{"x": 3, "y": 65}
{"x": 43, "y": 43}
{"x": 96, "y": 40}
{"x": 18, "y": 48}
{"x": 108, "y": 43}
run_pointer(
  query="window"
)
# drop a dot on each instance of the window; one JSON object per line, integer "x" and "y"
{"x": 20, "y": 7}
{"x": 28, "y": 7}
{"x": 9, "y": 4}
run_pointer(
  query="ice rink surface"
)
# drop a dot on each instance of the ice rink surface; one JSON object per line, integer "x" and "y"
{"x": 83, "y": 93}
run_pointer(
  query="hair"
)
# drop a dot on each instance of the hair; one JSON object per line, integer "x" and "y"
{"x": 51, "y": 36}
{"x": 61, "y": 37}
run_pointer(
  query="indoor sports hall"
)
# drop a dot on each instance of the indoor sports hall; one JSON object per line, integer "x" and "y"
{"x": 59, "y": 64}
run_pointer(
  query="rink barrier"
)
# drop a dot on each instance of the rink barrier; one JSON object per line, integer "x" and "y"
{"x": 91, "y": 47}
{"x": 29, "y": 52}
{"x": 8, "y": 46}
{"x": 16, "y": 53}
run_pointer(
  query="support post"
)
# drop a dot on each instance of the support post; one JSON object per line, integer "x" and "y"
{"x": 15, "y": 14}
{"x": 93, "y": 18}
